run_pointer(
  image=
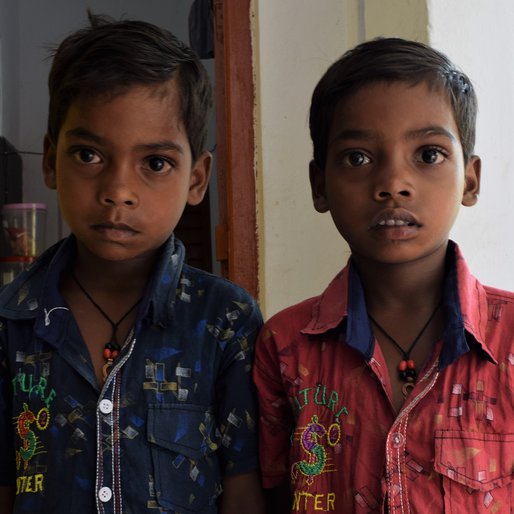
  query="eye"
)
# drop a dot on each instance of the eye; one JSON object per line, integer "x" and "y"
{"x": 356, "y": 159}
{"x": 86, "y": 156}
{"x": 431, "y": 155}
{"x": 158, "y": 164}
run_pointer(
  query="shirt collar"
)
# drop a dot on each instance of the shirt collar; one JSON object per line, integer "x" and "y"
{"x": 342, "y": 306}
{"x": 160, "y": 295}
{"x": 35, "y": 293}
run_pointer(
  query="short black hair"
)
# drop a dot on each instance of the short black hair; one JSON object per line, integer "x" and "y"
{"x": 391, "y": 60}
{"x": 108, "y": 57}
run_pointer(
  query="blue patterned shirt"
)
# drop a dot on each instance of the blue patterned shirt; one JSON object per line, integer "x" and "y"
{"x": 175, "y": 415}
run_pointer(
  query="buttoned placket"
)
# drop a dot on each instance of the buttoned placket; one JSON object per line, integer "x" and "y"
{"x": 395, "y": 485}
{"x": 108, "y": 468}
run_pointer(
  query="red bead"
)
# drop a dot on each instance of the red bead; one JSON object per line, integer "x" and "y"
{"x": 411, "y": 364}
{"x": 114, "y": 354}
{"x": 402, "y": 366}
{"x": 107, "y": 353}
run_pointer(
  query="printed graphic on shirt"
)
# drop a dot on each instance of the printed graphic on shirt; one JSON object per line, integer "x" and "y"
{"x": 314, "y": 439}
{"x": 319, "y": 441}
{"x": 28, "y": 424}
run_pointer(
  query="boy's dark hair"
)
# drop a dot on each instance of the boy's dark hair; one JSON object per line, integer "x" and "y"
{"x": 111, "y": 56}
{"x": 391, "y": 60}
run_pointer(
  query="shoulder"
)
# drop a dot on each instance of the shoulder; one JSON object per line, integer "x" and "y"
{"x": 19, "y": 297}
{"x": 204, "y": 297}
{"x": 493, "y": 293}
{"x": 296, "y": 316}
{"x": 210, "y": 286}
{"x": 317, "y": 314}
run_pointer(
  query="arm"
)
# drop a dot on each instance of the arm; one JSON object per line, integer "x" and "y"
{"x": 7, "y": 467}
{"x": 242, "y": 493}
{"x": 278, "y": 499}
{"x": 6, "y": 499}
{"x": 237, "y": 416}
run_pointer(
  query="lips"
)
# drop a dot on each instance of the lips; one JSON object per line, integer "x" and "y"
{"x": 113, "y": 228}
{"x": 393, "y": 218}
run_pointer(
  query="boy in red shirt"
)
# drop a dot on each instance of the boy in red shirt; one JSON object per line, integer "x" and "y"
{"x": 391, "y": 391}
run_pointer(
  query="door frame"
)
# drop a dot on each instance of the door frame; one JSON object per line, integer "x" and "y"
{"x": 236, "y": 234}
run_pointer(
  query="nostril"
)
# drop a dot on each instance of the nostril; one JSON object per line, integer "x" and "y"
{"x": 384, "y": 194}
{"x": 404, "y": 193}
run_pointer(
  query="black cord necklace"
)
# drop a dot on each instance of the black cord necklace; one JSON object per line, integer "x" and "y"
{"x": 112, "y": 347}
{"x": 407, "y": 367}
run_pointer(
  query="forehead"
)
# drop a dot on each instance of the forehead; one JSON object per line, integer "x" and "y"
{"x": 144, "y": 96}
{"x": 155, "y": 106}
{"x": 393, "y": 107}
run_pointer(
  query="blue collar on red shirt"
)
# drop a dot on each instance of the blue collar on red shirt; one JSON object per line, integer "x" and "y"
{"x": 343, "y": 306}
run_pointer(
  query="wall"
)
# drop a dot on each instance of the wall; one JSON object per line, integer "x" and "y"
{"x": 479, "y": 38}
{"x": 295, "y": 42}
{"x": 9, "y": 67}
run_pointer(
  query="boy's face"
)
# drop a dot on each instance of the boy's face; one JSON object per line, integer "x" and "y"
{"x": 123, "y": 171}
{"x": 395, "y": 174}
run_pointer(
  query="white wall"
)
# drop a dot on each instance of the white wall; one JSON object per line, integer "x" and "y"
{"x": 477, "y": 35}
{"x": 296, "y": 40}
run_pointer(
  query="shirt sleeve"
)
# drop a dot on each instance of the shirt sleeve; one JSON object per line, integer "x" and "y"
{"x": 276, "y": 420}
{"x": 237, "y": 402}
{"x": 7, "y": 470}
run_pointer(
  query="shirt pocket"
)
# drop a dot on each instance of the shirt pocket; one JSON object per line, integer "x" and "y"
{"x": 477, "y": 471}
{"x": 183, "y": 441}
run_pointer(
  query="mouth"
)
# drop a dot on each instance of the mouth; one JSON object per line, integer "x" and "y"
{"x": 392, "y": 218}
{"x": 114, "y": 230}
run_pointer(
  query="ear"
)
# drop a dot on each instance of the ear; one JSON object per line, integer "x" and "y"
{"x": 199, "y": 181}
{"x": 317, "y": 178}
{"x": 49, "y": 160}
{"x": 472, "y": 181}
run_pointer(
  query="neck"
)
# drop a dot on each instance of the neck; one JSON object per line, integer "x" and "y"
{"x": 408, "y": 286}
{"x": 116, "y": 276}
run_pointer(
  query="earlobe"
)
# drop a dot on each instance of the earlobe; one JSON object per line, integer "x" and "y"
{"x": 472, "y": 181}
{"x": 49, "y": 161}
{"x": 317, "y": 178}
{"x": 200, "y": 174}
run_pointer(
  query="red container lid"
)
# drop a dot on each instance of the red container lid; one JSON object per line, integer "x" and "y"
{"x": 18, "y": 259}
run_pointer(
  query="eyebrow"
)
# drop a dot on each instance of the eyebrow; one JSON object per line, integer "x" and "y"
{"x": 367, "y": 135}
{"x": 164, "y": 144}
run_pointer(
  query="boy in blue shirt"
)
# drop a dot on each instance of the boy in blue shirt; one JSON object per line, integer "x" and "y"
{"x": 124, "y": 373}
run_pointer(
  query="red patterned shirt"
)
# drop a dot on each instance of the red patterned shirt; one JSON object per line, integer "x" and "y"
{"x": 327, "y": 424}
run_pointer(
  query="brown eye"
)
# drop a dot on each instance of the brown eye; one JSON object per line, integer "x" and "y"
{"x": 158, "y": 164}
{"x": 431, "y": 156}
{"x": 356, "y": 159}
{"x": 86, "y": 156}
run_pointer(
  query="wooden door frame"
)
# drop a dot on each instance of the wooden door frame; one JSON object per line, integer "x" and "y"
{"x": 236, "y": 234}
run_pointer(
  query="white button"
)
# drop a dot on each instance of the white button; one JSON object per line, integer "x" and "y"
{"x": 397, "y": 439}
{"x": 105, "y": 406}
{"x": 105, "y": 494}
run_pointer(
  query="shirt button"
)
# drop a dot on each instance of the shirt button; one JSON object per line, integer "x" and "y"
{"x": 105, "y": 406}
{"x": 397, "y": 440}
{"x": 104, "y": 494}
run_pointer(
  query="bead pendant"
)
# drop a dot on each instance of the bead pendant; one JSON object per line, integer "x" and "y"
{"x": 111, "y": 351}
{"x": 407, "y": 370}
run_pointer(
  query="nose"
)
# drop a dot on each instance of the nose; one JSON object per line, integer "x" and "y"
{"x": 393, "y": 181}
{"x": 117, "y": 187}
